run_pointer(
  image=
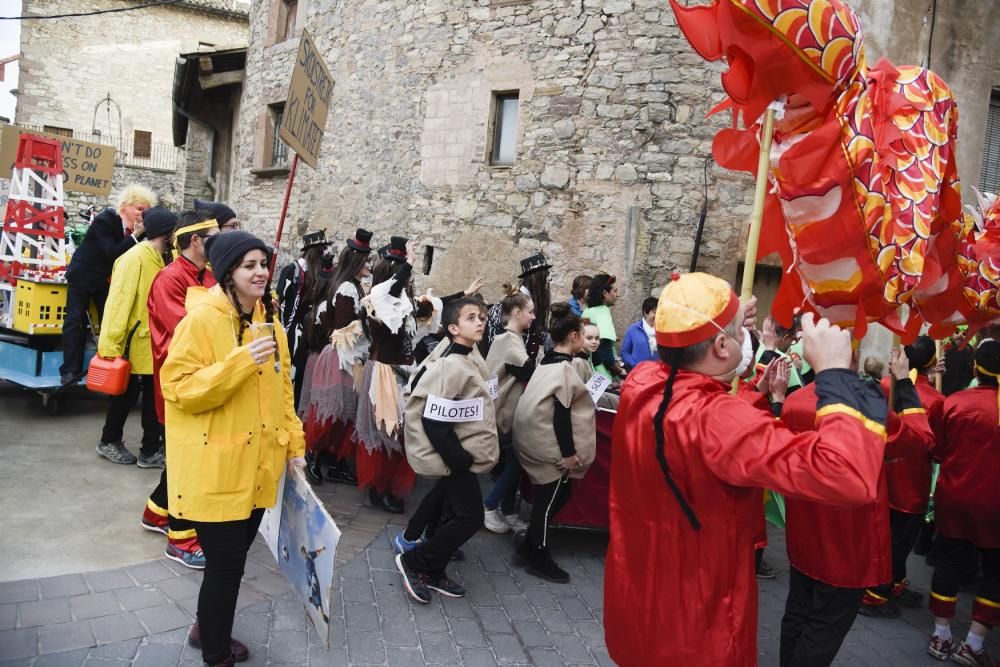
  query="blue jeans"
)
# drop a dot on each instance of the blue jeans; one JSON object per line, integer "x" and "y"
{"x": 504, "y": 491}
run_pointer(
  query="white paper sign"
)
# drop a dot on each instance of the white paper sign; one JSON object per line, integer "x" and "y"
{"x": 597, "y": 386}
{"x": 493, "y": 384}
{"x": 444, "y": 410}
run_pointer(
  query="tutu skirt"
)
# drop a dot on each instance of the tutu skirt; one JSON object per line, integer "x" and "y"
{"x": 330, "y": 406}
{"x": 381, "y": 460}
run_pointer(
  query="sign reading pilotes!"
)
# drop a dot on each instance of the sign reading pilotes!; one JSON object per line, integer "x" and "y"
{"x": 87, "y": 167}
{"x": 308, "y": 102}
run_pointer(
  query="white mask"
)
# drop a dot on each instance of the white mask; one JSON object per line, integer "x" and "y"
{"x": 747, "y": 351}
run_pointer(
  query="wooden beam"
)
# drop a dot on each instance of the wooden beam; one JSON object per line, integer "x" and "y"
{"x": 221, "y": 79}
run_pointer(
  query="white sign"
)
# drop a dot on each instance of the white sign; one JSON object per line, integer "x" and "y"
{"x": 597, "y": 386}
{"x": 493, "y": 384}
{"x": 443, "y": 410}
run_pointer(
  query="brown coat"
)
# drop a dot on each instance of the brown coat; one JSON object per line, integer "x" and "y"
{"x": 507, "y": 348}
{"x": 534, "y": 433}
{"x": 453, "y": 377}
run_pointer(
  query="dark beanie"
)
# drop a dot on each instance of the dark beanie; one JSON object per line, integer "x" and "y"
{"x": 226, "y": 250}
{"x": 220, "y": 212}
{"x": 158, "y": 221}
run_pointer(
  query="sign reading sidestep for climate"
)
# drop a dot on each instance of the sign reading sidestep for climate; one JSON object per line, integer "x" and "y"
{"x": 308, "y": 102}
{"x": 87, "y": 167}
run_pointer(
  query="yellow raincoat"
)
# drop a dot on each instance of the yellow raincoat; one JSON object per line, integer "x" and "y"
{"x": 131, "y": 279}
{"x": 230, "y": 424}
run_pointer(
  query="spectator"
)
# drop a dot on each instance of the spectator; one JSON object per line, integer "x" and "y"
{"x": 639, "y": 343}
{"x": 125, "y": 326}
{"x": 110, "y": 234}
{"x": 579, "y": 293}
{"x": 602, "y": 295}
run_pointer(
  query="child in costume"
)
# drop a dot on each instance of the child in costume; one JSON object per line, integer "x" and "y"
{"x": 554, "y": 436}
{"x": 450, "y": 433}
{"x": 509, "y": 363}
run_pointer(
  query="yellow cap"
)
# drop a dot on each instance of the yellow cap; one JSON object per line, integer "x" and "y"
{"x": 692, "y": 308}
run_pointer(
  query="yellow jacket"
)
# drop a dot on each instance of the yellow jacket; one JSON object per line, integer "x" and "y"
{"x": 230, "y": 424}
{"x": 131, "y": 279}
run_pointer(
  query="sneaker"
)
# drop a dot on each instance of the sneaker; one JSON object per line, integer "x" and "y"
{"x": 885, "y": 610}
{"x": 966, "y": 656}
{"x": 400, "y": 545}
{"x": 415, "y": 583}
{"x": 940, "y": 648}
{"x": 765, "y": 571}
{"x": 194, "y": 559}
{"x": 515, "y": 522}
{"x": 116, "y": 452}
{"x": 157, "y": 459}
{"x": 154, "y": 522}
{"x": 494, "y": 522}
{"x": 446, "y": 586}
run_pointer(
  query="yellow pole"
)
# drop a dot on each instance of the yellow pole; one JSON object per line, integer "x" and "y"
{"x": 937, "y": 376}
{"x": 757, "y": 216}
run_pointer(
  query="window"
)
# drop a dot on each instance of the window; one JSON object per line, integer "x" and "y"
{"x": 279, "y": 151}
{"x": 61, "y": 131}
{"x": 989, "y": 178}
{"x": 504, "y": 145}
{"x": 142, "y": 144}
{"x": 287, "y": 11}
{"x": 428, "y": 259}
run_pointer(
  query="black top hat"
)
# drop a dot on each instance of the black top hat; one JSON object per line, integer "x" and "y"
{"x": 313, "y": 239}
{"x": 396, "y": 250}
{"x": 533, "y": 263}
{"x": 361, "y": 241}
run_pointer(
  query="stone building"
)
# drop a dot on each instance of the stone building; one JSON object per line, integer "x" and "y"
{"x": 113, "y": 81}
{"x": 491, "y": 129}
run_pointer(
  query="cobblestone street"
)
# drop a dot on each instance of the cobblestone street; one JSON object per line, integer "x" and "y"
{"x": 137, "y": 613}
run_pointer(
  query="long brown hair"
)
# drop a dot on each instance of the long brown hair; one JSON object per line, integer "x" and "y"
{"x": 229, "y": 288}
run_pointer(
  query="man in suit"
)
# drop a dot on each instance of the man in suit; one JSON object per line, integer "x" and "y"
{"x": 111, "y": 234}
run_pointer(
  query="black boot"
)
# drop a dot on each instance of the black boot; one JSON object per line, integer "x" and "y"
{"x": 392, "y": 504}
{"x": 314, "y": 473}
{"x": 542, "y": 565}
{"x": 341, "y": 472}
{"x": 379, "y": 500}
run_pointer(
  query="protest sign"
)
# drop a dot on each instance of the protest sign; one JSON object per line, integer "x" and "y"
{"x": 308, "y": 102}
{"x": 87, "y": 167}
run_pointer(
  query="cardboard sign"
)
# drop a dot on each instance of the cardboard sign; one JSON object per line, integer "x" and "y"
{"x": 493, "y": 384}
{"x": 308, "y": 102}
{"x": 87, "y": 167}
{"x": 445, "y": 410}
{"x": 597, "y": 386}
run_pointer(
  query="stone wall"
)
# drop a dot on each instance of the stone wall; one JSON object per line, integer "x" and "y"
{"x": 168, "y": 186}
{"x": 612, "y": 145}
{"x": 129, "y": 55}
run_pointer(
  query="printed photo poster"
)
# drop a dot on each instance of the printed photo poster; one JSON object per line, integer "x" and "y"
{"x": 271, "y": 522}
{"x": 306, "y": 542}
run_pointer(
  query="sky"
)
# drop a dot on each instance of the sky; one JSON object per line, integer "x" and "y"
{"x": 10, "y": 37}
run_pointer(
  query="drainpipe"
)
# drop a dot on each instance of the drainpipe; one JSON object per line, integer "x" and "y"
{"x": 701, "y": 220}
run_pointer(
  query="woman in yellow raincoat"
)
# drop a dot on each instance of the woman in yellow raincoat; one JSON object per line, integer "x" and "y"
{"x": 230, "y": 424}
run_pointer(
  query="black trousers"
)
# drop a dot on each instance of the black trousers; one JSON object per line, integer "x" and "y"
{"x": 74, "y": 330}
{"x": 160, "y": 496}
{"x": 120, "y": 406}
{"x": 460, "y": 493}
{"x": 225, "y": 544}
{"x": 432, "y": 511}
{"x": 953, "y": 557}
{"x": 548, "y": 499}
{"x": 817, "y": 618}
{"x": 905, "y": 529}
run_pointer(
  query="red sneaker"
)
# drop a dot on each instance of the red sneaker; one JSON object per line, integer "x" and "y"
{"x": 153, "y": 522}
{"x": 966, "y": 656}
{"x": 940, "y": 648}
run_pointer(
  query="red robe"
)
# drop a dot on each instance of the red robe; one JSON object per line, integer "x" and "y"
{"x": 747, "y": 390}
{"x": 909, "y": 476}
{"x": 850, "y": 547}
{"x": 676, "y": 596}
{"x": 967, "y": 497}
{"x": 166, "y": 310}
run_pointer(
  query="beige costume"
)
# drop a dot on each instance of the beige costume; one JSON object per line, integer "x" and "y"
{"x": 507, "y": 348}
{"x": 455, "y": 377}
{"x": 534, "y": 433}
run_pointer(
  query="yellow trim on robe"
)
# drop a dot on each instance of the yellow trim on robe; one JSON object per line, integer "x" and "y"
{"x": 988, "y": 603}
{"x": 943, "y": 598}
{"x": 840, "y": 408}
